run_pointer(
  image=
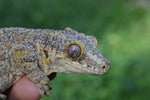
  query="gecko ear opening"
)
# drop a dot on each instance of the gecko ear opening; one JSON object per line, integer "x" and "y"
{"x": 45, "y": 52}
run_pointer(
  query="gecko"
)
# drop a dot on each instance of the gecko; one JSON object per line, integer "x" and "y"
{"x": 40, "y": 53}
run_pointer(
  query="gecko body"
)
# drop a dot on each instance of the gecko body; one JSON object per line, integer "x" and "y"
{"x": 40, "y": 53}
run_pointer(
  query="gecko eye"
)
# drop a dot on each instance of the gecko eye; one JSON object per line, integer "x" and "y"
{"x": 74, "y": 50}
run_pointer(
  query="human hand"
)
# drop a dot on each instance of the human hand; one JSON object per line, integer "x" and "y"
{"x": 24, "y": 89}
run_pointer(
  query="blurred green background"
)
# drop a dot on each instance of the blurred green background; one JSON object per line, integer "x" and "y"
{"x": 123, "y": 33}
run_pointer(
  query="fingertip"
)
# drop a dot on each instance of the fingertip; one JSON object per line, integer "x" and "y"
{"x": 24, "y": 89}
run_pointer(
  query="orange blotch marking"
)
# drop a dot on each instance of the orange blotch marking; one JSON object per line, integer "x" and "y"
{"x": 0, "y": 75}
{"x": 4, "y": 43}
{"x": 26, "y": 49}
{"x": 66, "y": 54}
{"x": 59, "y": 57}
{"x": 1, "y": 59}
{"x": 30, "y": 36}
{"x": 22, "y": 36}
{"x": 95, "y": 40}
{"x": 46, "y": 49}
{"x": 47, "y": 34}
{"x": 6, "y": 74}
{"x": 14, "y": 70}
{"x": 18, "y": 39}
{"x": 3, "y": 85}
{"x": 47, "y": 61}
{"x": 8, "y": 64}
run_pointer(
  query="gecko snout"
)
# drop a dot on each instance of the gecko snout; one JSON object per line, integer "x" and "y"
{"x": 106, "y": 66}
{"x": 107, "y": 63}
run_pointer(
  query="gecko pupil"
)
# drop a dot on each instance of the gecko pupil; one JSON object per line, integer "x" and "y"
{"x": 74, "y": 51}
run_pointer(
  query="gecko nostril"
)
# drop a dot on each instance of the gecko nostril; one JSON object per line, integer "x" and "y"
{"x": 103, "y": 67}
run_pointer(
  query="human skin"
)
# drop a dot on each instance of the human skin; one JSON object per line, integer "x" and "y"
{"x": 24, "y": 89}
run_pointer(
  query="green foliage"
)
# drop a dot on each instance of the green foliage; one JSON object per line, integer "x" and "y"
{"x": 123, "y": 33}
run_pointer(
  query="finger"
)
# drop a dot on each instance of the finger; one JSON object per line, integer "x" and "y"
{"x": 24, "y": 89}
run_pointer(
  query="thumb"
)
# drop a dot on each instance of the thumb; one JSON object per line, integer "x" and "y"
{"x": 24, "y": 89}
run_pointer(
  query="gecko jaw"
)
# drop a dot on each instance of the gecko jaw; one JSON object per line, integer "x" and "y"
{"x": 86, "y": 68}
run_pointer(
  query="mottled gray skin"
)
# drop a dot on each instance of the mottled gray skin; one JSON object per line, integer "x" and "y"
{"x": 38, "y": 53}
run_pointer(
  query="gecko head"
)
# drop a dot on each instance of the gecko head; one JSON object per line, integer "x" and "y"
{"x": 81, "y": 55}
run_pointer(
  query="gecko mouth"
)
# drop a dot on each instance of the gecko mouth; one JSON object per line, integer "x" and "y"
{"x": 87, "y": 68}
{"x": 99, "y": 70}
